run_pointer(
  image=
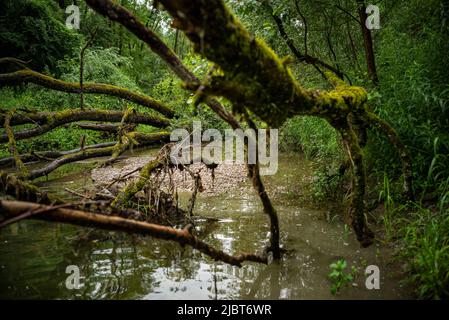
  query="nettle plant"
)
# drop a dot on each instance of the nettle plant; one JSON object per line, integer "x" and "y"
{"x": 338, "y": 277}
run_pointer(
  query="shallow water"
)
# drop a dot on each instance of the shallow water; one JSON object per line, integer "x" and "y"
{"x": 34, "y": 255}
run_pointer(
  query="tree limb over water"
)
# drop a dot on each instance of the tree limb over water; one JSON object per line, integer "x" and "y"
{"x": 10, "y": 209}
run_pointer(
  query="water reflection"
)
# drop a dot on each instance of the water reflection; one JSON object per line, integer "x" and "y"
{"x": 34, "y": 256}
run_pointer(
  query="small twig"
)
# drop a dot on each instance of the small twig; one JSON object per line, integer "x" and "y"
{"x": 77, "y": 194}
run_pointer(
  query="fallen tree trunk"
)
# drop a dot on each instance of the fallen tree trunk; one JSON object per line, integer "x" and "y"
{"x": 12, "y": 186}
{"x": 105, "y": 127}
{"x": 45, "y": 155}
{"x": 252, "y": 76}
{"x": 10, "y": 209}
{"x": 83, "y": 154}
{"x": 47, "y": 121}
{"x": 29, "y": 76}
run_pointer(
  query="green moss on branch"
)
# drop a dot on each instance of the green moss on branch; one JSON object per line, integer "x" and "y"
{"x": 29, "y": 76}
{"x": 47, "y": 121}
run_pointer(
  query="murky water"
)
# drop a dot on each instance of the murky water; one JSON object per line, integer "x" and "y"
{"x": 34, "y": 255}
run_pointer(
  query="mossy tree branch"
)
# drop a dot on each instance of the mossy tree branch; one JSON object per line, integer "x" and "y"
{"x": 12, "y": 144}
{"x": 252, "y": 75}
{"x": 116, "y": 12}
{"x": 30, "y": 76}
{"x": 302, "y": 57}
{"x": 37, "y": 156}
{"x": 47, "y": 121}
{"x": 12, "y": 186}
{"x": 83, "y": 154}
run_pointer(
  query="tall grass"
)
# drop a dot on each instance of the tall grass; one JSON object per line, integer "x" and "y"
{"x": 426, "y": 249}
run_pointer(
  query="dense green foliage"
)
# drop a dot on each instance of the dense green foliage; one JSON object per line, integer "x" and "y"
{"x": 34, "y": 30}
{"x": 412, "y": 56}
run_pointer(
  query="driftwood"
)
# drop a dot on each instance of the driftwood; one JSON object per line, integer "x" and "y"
{"x": 10, "y": 209}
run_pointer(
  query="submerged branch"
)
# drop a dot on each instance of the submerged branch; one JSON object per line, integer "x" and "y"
{"x": 11, "y": 209}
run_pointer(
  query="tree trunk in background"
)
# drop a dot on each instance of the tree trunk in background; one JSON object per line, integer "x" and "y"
{"x": 61, "y": 4}
{"x": 353, "y": 48}
{"x": 368, "y": 42}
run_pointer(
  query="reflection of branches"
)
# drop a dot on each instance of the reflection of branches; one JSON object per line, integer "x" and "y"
{"x": 271, "y": 272}
{"x": 15, "y": 208}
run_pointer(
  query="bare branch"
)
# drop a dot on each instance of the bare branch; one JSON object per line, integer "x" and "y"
{"x": 87, "y": 219}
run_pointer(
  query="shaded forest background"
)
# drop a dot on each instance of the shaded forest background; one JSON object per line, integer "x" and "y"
{"x": 411, "y": 53}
